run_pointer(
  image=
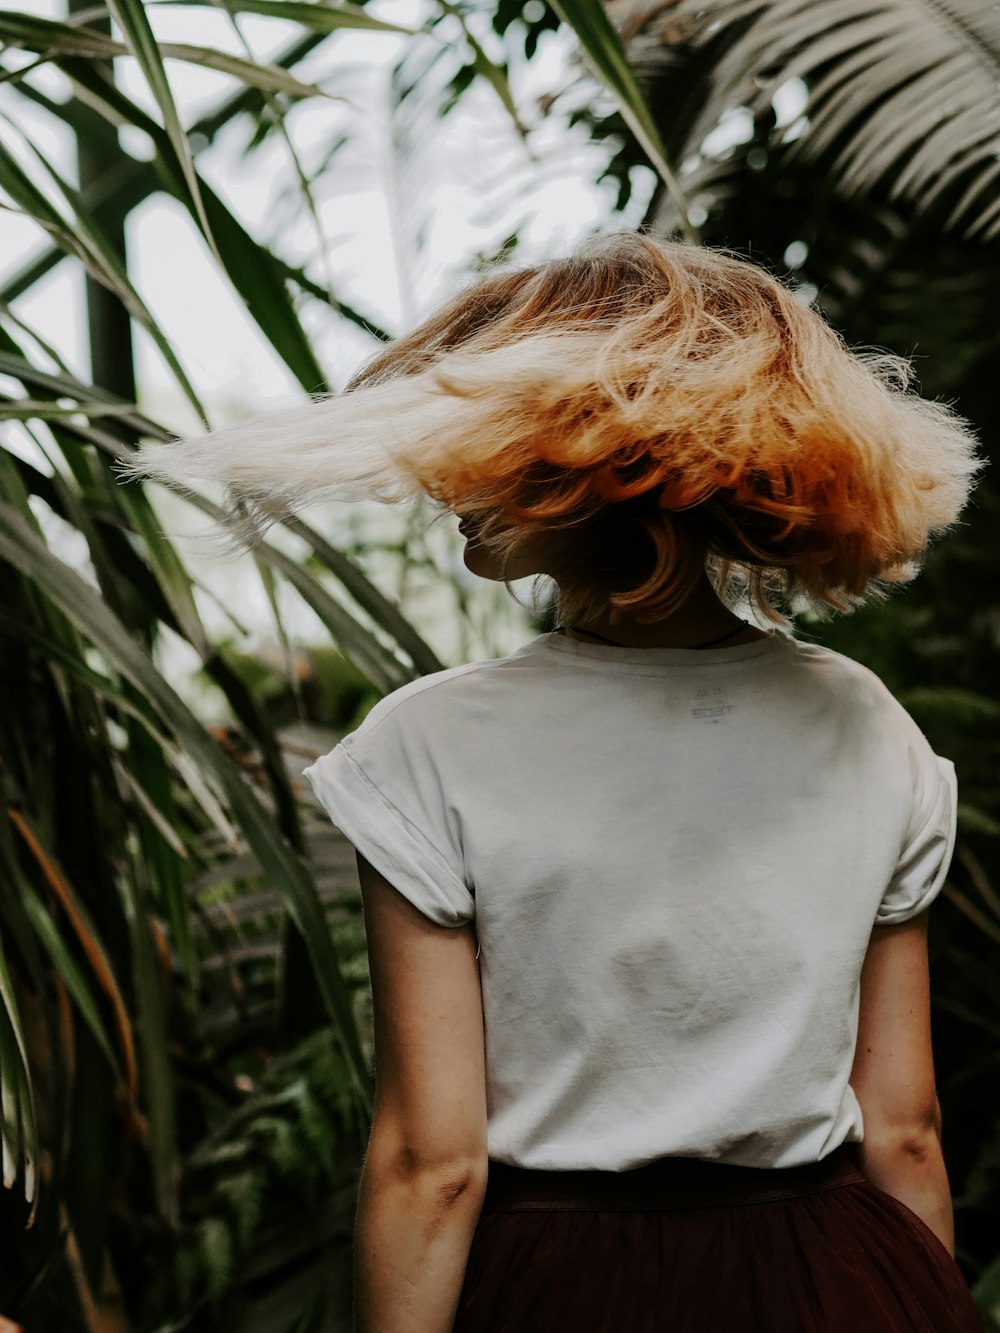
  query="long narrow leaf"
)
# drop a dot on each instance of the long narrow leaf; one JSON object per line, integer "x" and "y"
{"x": 55, "y": 40}
{"x": 383, "y": 611}
{"x": 904, "y": 94}
{"x": 18, "y": 1125}
{"x": 148, "y": 807}
{"x": 64, "y": 385}
{"x": 85, "y": 240}
{"x": 358, "y": 642}
{"x": 487, "y": 69}
{"x": 89, "y": 942}
{"x": 319, "y": 17}
{"x": 132, "y": 19}
{"x": 71, "y": 975}
{"x": 255, "y": 73}
{"x": 154, "y": 1040}
{"x": 350, "y": 312}
{"x": 24, "y": 409}
{"x": 166, "y": 565}
{"x": 133, "y": 181}
{"x": 599, "y": 43}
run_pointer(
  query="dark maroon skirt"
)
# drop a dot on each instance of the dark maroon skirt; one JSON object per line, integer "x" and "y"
{"x": 687, "y": 1245}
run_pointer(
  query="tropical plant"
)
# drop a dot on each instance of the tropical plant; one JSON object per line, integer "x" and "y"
{"x": 116, "y": 1059}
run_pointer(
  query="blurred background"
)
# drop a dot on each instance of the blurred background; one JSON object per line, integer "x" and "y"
{"x": 210, "y": 210}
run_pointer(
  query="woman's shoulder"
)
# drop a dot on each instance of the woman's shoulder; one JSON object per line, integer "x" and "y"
{"x": 837, "y": 666}
{"x": 858, "y": 687}
{"x": 434, "y": 696}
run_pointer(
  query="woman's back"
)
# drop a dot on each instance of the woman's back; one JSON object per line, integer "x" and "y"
{"x": 674, "y": 859}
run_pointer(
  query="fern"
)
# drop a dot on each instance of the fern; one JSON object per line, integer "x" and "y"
{"x": 292, "y": 1138}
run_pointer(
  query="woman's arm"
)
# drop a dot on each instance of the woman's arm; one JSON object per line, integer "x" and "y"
{"x": 893, "y": 1077}
{"x": 411, "y": 1245}
{"x": 425, "y": 1170}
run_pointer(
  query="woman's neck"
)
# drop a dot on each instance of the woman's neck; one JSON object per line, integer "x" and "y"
{"x": 701, "y": 619}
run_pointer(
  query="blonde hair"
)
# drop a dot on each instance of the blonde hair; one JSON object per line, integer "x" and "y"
{"x": 637, "y": 413}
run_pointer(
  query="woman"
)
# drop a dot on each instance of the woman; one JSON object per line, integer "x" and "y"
{"x": 646, "y": 900}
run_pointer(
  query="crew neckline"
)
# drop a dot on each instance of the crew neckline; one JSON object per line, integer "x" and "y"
{"x": 614, "y": 655}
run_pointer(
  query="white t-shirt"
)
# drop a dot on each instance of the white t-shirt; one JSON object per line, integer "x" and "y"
{"x": 673, "y": 858}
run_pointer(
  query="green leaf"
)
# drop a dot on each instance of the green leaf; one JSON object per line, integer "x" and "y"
{"x": 379, "y": 663}
{"x": 903, "y": 98}
{"x": 72, "y": 976}
{"x": 29, "y": 32}
{"x": 494, "y": 74}
{"x": 360, "y": 644}
{"x": 18, "y": 1126}
{"x": 52, "y": 40}
{"x": 24, "y": 409}
{"x": 256, "y": 73}
{"x": 320, "y": 18}
{"x": 132, "y": 19}
{"x": 64, "y": 385}
{"x": 105, "y": 688}
{"x": 599, "y": 43}
{"x": 133, "y": 181}
{"x": 85, "y": 240}
{"x": 147, "y": 776}
{"x": 166, "y": 565}
{"x": 301, "y": 279}
{"x": 384, "y": 612}
{"x": 154, "y": 1043}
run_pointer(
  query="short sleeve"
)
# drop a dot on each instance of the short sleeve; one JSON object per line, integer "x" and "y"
{"x": 930, "y": 840}
{"x": 381, "y": 789}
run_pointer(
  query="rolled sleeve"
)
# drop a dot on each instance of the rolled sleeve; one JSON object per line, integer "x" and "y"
{"x": 923, "y": 864}
{"x": 405, "y": 853}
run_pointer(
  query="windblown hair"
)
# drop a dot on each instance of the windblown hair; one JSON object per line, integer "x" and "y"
{"x": 629, "y": 417}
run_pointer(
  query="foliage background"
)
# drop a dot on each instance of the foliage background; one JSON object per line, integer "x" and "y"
{"x": 184, "y": 1021}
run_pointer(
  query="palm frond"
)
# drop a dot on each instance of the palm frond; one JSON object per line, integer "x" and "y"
{"x": 901, "y": 93}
